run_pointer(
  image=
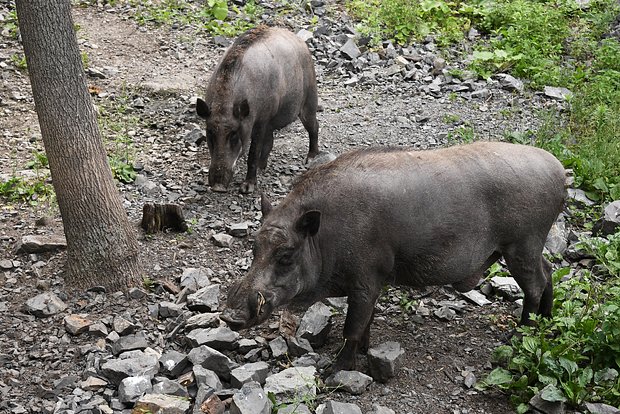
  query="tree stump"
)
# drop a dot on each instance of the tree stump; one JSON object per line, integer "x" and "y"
{"x": 160, "y": 217}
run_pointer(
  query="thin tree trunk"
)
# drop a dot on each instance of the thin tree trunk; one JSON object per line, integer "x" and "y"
{"x": 102, "y": 249}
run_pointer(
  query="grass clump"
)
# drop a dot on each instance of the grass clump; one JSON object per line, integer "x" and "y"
{"x": 215, "y": 16}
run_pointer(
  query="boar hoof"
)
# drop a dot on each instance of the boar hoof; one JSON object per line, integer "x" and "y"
{"x": 219, "y": 188}
{"x": 246, "y": 188}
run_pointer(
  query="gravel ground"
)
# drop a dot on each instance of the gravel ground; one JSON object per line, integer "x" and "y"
{"x": 156, "y": 73}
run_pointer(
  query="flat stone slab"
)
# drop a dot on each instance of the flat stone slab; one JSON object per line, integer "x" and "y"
{"x": 292, "y": 383}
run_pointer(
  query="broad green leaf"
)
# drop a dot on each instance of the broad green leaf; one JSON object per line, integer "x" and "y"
{"x": 604, "y": 375}
{"x": 552, "y": 393}
{"x": 498, "y": 376}
{"x": 220, "y": 12}
{"x": 483, "y": 55}
{"x": 568, "y": 365}
{"x": 585, "y": 377}
{"x": 546, "y": 380}
{"x": 530, "y": 344}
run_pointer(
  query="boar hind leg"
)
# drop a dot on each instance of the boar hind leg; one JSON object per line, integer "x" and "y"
{"x": 356, "y": 328}
{"x": 267, "y": 145}
{"x": 308, "y": 119}
{"x": 527, "y": 266}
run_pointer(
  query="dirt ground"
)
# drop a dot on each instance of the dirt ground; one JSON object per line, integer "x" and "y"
{"x": 159, "y": 71}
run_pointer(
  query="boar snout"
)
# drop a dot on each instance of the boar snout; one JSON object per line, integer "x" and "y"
{"x": 219, "y": 178}
{"x": 252, "y": 311}
{"x": 234, "y": 319}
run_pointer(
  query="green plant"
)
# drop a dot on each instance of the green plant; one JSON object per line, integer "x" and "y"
{"x": 605, "y": 250}
{"x": 19, "y": 61}
{"x": 461, "y": 134}
{"x": 575, "y": 355}
{"x": 9, "y": 25}
{"x": 39, "y": 161}
{"x": 451, "y": 118}
{"x": 122, "y": 170}
{"x": 32, "y": 191}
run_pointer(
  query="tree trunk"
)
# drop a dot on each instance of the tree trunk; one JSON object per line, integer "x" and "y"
{"x": 102, "y": 249}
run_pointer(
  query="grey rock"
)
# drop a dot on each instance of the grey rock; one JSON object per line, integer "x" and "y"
{"x": 40, "y": 244}
{"x": 305, "y": 35}
{"x": 206, "y": 377}
{"x": 206, "y": 299}
{"x": 203, "y": 320}
{"x": 173, "y": 363}
{"x": 295, "y": 408}
{"x": 6, "y": 264}
{"x": 255, "y": 371}
{"x": 169, "y": 387}
{"x": 506, "y": 287}
{"x": 129, "y": 343}
{"x": 218, "y": 338}
{"x": 470, "y": 379}
{"x": 438, "y": 65}
{"x": 207, "y": 402}
{"x": 278, "y": 347}
{"x": 143, "y": 364}
{"x": 557, "y": 239}
{"x": 546, "y": 407}
{"x": 509, "y": 82}
{"x": 132, "y": 388}
{"x": 483, "y": 93}
{"x": 335, "y": 407}
{"x": 379, "y": 409}
{"x": 170, "y": 309}
{"x": 476, "y": 297}
{"x": 77, "y": 324}
{"x": 350, "y": 49}
{"x": 251, "y": 399}
{"x": 238, "y": 229}
{"x": 560, "y": 94}
{"x": 212, "y": 359}
{"x": 599, "y": 408}
{"x": 162, "y": 404}
{"x": 312, "y": 359}
{"x": 222, "y": 240}
{"x": 246, "y": 345}
{"x": 196, "y": 278}
{"x": 195, "y": 137}
{"x": 353, "y": 382}
{"x": 445, "y": 312}
{"x": 93, "y": 384}
{"x": 292, "y": 384}
{"x": 579, "y": 196}
{"x": 315, "y": 324}
{"x": 611, "y": 219}
{"x": 298, "y": 346}
{"x": 122, "y": 326}
{"x": 384, "y": 360}
{"x": 44, "y": 305}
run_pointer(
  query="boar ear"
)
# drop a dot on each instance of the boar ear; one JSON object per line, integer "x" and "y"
{"x": 309, "y": 223}
{"x": 241, "y": 110}
{"x": 265, "y": 205}
{"x": 202, "y": 109}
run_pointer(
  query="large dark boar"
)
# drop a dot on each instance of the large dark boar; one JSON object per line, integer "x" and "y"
{"x": 379, "y": 216}
{"x": 264, "y": 82}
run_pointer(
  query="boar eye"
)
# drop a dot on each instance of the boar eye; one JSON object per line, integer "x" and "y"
{"x": 284, "y": 257}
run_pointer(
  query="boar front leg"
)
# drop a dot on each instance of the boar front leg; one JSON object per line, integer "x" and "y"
{"x": 256, "y": 144}
{"x": 356, "y": 328}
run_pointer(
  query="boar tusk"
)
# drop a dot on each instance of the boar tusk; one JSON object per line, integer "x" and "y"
{"x": 261, "y": 302}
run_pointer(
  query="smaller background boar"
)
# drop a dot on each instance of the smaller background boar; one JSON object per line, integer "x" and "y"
{"x": 264, "y": 82}
{"x": 379, "y": 216}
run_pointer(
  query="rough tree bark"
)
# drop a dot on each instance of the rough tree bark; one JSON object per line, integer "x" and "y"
{"x": 102, "y": 249}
